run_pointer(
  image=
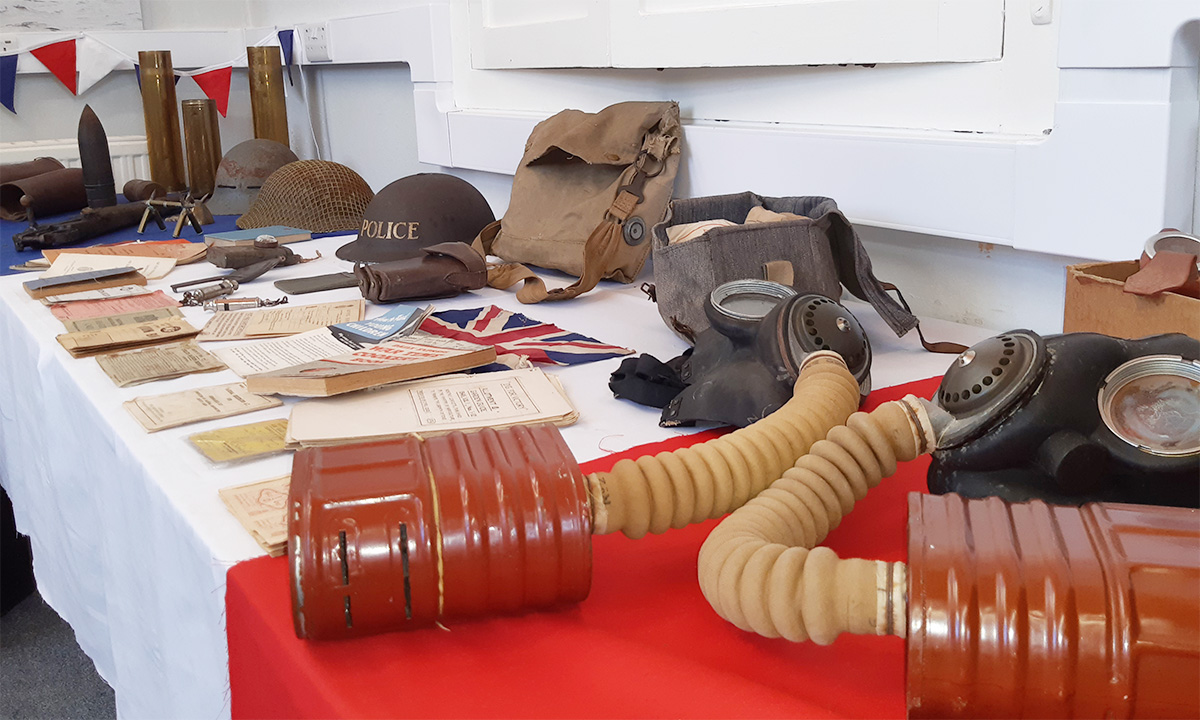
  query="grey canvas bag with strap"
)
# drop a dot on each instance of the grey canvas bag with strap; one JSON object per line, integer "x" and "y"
{"x": 820, "y": 249}
{"x": 588, "y": 189}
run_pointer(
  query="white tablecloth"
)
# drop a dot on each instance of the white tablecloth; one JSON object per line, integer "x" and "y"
{"x": 130, "y": 540}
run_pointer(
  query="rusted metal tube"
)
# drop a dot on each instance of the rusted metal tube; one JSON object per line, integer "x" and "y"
{"x": 267, "y": 101}
{"x": 11, "y": 172}
{"x": 50, "y": 193}
{"x": 141, "y": 190}
{"x": 405, "y": 533}
{"x": 1033, "y": 610}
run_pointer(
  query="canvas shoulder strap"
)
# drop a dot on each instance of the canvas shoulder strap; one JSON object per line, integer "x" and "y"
{"x": 602, "y": 243}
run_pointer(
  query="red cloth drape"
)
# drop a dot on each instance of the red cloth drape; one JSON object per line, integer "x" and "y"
{"x": 644, "y": 644}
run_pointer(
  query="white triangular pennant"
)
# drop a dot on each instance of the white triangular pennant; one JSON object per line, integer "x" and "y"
{"x": 95, "y": 60}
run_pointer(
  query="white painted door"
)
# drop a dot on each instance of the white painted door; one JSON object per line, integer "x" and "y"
{"x": 728, "y": 33}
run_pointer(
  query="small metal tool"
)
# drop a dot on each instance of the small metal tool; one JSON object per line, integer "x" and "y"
{"x": 197, "y": 296}
{"x": 246, "y": 303}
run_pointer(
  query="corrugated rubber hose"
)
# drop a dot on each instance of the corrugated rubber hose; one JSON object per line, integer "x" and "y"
{"x": 761, "y": 568}
{"x": 675, "y": 489}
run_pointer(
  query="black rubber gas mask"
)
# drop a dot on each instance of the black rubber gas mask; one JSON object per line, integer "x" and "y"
{"x": 743, "y": 367}
{"x": 1071, "y": 419}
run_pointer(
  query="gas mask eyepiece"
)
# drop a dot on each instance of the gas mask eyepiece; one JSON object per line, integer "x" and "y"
{"x": 1153, "y": 403}
{"x": 744, "y": 365}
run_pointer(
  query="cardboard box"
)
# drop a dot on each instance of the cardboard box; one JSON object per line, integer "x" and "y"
{"x": 1097, "y": 302}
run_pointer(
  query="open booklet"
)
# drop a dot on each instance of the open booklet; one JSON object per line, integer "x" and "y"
{"x": 276, "y": 354}
{"x": 279, "y": 321}
{"x": 416, "y": 356}
{"x": 433, "y": 407}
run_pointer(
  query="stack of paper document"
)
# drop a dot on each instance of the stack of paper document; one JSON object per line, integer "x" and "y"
{"x": 433, "y": 407}
{"x": 261, "y": 508}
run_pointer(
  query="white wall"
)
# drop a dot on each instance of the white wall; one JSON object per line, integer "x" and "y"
{"x": 364, "y": 119}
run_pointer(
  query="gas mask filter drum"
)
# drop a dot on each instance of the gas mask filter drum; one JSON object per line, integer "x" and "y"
{"x": 744, "y": 365}
{"x": 1072, "y": 418}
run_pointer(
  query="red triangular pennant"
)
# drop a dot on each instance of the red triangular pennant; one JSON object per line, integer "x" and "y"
{"x": 59, "y": 59}
{"x": 215, "y": 84}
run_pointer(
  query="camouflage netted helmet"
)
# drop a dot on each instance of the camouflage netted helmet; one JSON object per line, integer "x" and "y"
{"x": 415, "y": 212}
{"x": 242, "y": 173}
{"x": 316, "y": 195}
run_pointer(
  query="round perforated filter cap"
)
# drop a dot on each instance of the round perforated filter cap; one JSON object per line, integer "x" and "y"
{"x": 986, "y": 379}
{"x": 819, "y": 323}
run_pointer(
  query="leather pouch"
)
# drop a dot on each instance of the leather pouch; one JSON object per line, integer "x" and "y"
{"x": 445, "y": 270}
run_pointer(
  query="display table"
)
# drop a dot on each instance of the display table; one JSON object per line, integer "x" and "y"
{"x": 131, "y": 543}
{"x": 645, "y": 643}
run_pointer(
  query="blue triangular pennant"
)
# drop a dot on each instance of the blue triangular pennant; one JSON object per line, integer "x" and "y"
{"x": 285, "y": 45}
{"x": 8, "y": 81}
{"x": 137, "y": 73}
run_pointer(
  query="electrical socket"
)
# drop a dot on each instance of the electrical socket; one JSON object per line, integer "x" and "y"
{"x": 315, "y": 37}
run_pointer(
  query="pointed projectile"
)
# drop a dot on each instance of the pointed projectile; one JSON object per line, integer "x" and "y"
{"x": 96, "y": 161}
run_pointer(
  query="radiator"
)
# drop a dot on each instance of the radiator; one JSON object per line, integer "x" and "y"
{"x": 130, "y": 160}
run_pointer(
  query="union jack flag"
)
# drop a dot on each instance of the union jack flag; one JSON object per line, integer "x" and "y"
{"x": 514, "y": 333}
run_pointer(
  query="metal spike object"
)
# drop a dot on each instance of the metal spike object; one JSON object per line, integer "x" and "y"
{"x": 96, "y": 161}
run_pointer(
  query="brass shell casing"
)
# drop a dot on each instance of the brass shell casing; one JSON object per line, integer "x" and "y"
{"x": 265, "y": 70}
{"x": 202, "y": 140}
{"x": 157, "y": 78}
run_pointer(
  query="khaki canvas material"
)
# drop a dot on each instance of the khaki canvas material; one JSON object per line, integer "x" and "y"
{"x": 582, "y": 179}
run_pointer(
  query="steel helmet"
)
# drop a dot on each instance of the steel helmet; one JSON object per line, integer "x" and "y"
{"x": 242, "y": 173}
{"x": 415, "y": 212}
{"x": 316, "y": 195}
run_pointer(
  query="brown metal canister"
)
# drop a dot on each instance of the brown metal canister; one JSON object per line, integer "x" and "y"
{"x": 1033, "y": 610}
{"x": 267, "y": 102}
{"x": 49, "y": 193}
{"x": 202, "y": 140}
{"x": 157, "y": 78}
{"x": 11, "y": 172}
{"x": 141, "y": 190}
{"x": 403, "y": 533}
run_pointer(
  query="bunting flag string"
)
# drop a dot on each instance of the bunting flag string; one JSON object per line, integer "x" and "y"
{"x": 8, "y": 81}
{"x": 95, "y": 60}
{"x": 59, "y": 59}
{"x": 81, "y": 61}
{"x": 215, "y": 84}
{"x": 137, "y": 73}
{"x": 285, "y": 47}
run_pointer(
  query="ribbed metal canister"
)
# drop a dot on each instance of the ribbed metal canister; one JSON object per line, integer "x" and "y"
{"x": 516, "y": 530}
{"x": 1033, "y": 610}
{"x": 405, "y": 533}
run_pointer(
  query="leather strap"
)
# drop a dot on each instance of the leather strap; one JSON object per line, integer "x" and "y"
{"x": 780, "y": 271}
{"x": 601, "y": 245}
{"x": 950, "y": 348}
{"x": 445, "y": 270}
